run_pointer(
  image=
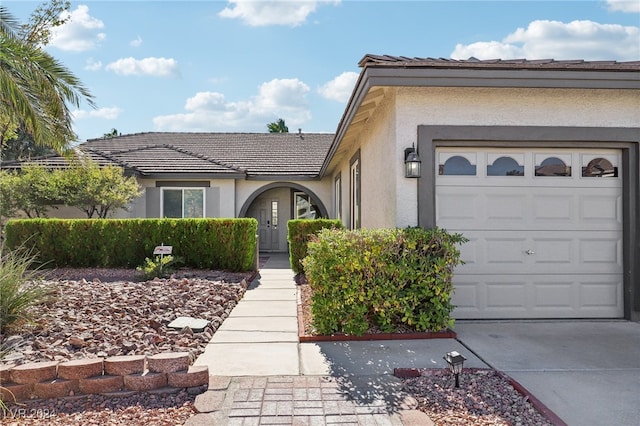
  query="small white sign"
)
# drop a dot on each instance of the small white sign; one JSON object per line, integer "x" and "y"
{"x": 163, "y": 250}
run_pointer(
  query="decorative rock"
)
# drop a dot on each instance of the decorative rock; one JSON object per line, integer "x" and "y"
{"x": 34, "y": 372}
{"x": 209, "y": 401}
{"x": 123, "y": 365}
{"x": 55, "y": 389}
{"x": 144, "y": 382}
{"x": 197, "y": 375}
{"x": 80, "y": 369}
{"x": 77, "y": 342}
{"x": 168, "y": 362}
{"x": 101, "y": 384}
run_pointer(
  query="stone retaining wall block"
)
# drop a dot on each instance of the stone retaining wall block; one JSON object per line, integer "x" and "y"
{"x": 196, "y": 375}
{"x": 124, "y": 365}
{"x": 101, "y": 384}
{"x": 11, "y": 392}
{"x": 57, "y": 388}
{"x": 80, "y": 369}
{"x": 145, "y": 381}
{"x": 34, "y": 372}
{"x": 168, "y": 362}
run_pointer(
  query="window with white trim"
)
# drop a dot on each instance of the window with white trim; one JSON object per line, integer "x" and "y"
{"x": 183, "y": 202}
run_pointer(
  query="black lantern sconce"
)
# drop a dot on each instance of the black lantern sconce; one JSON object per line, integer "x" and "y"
{"x": 455, "y": 361}
{"x": 411, "y": 163}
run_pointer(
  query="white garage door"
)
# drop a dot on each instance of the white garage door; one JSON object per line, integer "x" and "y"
{"x": 545, "y": 231}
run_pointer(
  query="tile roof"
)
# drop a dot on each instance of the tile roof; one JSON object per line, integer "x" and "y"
{"x": 253, "y": 154}
{"x": 550, "y": 64}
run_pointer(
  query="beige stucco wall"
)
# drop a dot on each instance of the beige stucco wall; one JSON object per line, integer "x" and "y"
{"x": 389, "y": 199}
{"x": 504, "y": 107}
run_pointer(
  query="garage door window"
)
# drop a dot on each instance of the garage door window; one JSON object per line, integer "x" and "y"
{"x": 599, "y": 167}
{"x": 553, "y": 166}
{"x": 505, "y": 165}
{"x": 457, "y": 165}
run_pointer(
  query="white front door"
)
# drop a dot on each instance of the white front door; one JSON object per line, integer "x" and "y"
{"x": 545, "y": 231}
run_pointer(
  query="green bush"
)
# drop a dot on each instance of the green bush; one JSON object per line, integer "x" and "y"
{"x": 299, "y": 232}
{"x": 20, "y": 290}
{"x": 158, "y": 267}
{"x": 201, "y": 243}
{"x": 388, "y": 279}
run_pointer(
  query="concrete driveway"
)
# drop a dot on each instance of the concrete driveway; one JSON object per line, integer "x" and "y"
{"x": 587, "y": 372}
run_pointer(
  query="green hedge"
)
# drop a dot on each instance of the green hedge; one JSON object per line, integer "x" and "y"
{"x": 299, "y": 232}
{"x": 389, "y": 279}
{"x": 201, "y": 243}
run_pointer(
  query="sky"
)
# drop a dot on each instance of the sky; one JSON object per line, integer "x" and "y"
{"x": 235, "y": 66}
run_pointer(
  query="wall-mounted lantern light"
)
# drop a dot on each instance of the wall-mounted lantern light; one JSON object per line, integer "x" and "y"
{"x": 455, "y": 361}
{"x": 411, "y": 163}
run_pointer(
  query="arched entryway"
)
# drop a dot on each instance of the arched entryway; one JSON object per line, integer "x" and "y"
{"x": 273, "y": 205}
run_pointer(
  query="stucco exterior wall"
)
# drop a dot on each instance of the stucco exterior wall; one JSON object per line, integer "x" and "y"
{"x": 380, "y": 167}
{"x": 503, "y": 107}
{"x": 244, "y": 189}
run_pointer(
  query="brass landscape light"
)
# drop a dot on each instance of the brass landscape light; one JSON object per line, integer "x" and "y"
{"x": 411, "y": 163}
{"x": 455, "y": 361}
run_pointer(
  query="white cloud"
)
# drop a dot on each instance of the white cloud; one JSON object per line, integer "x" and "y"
{"x": 340, "y": 88}
{"x": 586, "y": 40}
{"x": 93, "y": 65}
{"x": 209, "y": 111}
{"x": 137, "y": 42}
{"x": 104, "y": 113}
{"x": 626, "y": 6}
{"x": 274, "y": 12}
{"x": 157, "y": 67}
{"x": 80, "y": 33}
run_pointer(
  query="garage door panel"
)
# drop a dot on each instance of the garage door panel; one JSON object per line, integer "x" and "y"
{"x": 474, "y": 207}
{"x": 540, "y": 296}
{"x": 531, "y": 252}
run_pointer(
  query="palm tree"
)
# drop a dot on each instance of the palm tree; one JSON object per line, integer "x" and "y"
{"x": 278, "y": 127}
{"x": 36, "y": 89}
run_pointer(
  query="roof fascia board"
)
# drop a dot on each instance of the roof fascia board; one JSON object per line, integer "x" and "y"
{"x": 437, "y": 77}
{"x": 283, "y": 178}
{"x": 361, "y": 90}
{"x": 191, "y": 176}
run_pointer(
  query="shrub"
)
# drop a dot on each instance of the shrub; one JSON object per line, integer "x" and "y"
{"x": 158, "y": 267}
{"x": 389, "y": 279}
{"x": 202, "y": 243}
{"x": 299, "y": 232}
{"x": 20, "y": 290}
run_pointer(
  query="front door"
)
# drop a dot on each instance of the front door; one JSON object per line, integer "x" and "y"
{"x": 268, "y": 224}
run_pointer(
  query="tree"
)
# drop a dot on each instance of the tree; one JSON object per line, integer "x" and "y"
{"x": 96, "y": 190}
{"x": 84, "y": 185}
{"x": 111, "y": 134}
{"x": 278, "y": 127}
{"x": 32, "y": 191}
{"x": 36, "y": 88}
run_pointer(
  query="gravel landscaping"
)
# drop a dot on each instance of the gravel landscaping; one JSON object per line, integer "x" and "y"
{"x": 109, "y": 312}
{"x": 484, "y": 398}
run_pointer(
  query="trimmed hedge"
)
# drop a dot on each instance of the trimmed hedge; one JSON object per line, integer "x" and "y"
{"x": 389, "y": 279}
{"x": 299, "y": 232}
{"x": 228, "y": 244}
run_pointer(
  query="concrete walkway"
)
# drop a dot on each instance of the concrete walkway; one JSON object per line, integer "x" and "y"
{"x": 587, "y": 372}
{"x": 261, "y": 374}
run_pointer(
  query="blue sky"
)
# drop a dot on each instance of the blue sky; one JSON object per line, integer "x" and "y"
{"x": 234, "y": 66}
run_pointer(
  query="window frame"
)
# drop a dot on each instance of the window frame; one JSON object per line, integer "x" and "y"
{"x": 182, "y": 190}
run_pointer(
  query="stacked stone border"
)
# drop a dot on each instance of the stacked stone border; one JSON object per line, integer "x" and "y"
{"x": 138, "y": 373}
